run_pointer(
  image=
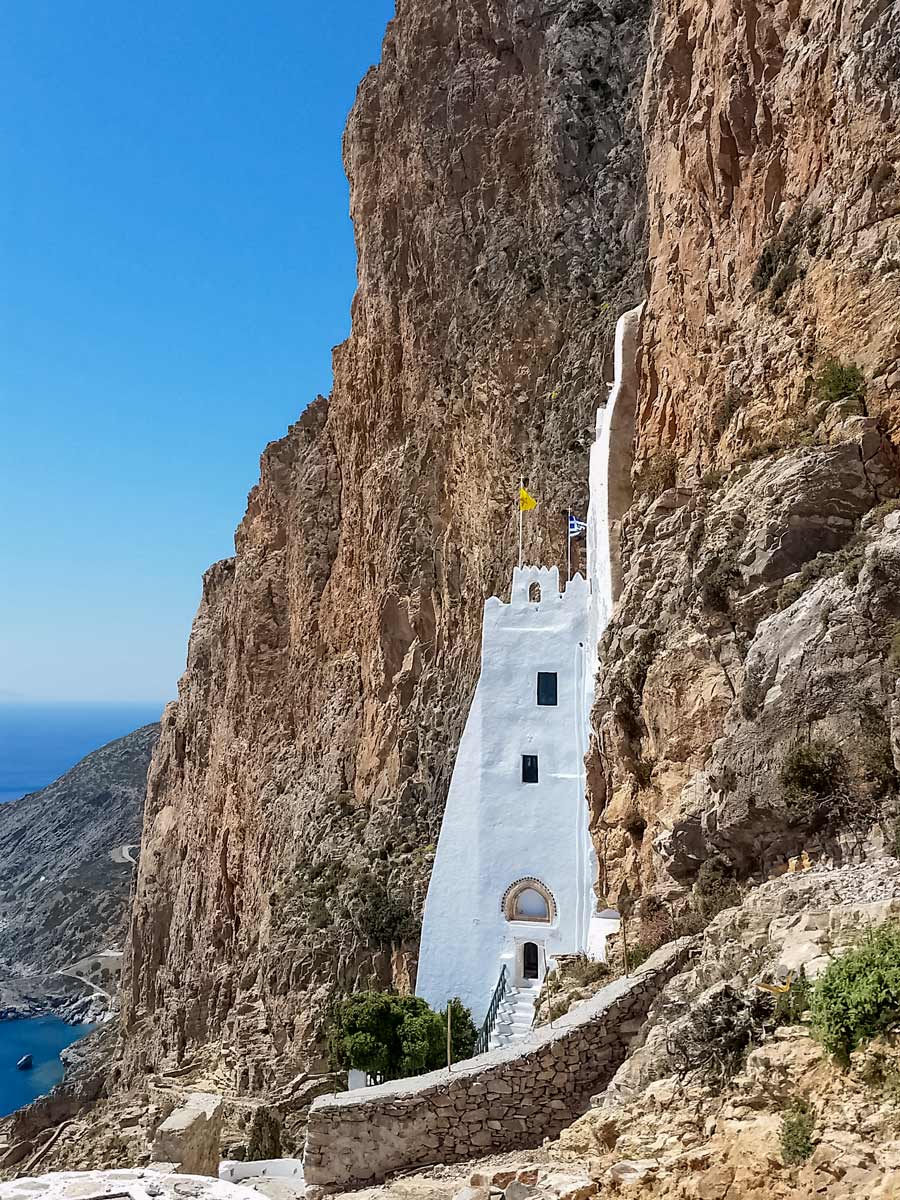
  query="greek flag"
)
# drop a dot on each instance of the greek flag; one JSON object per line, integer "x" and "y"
{"x": 576, "y": 527}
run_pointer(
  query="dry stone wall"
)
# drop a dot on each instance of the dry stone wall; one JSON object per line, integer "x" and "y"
{"x": 508, "y": 1099}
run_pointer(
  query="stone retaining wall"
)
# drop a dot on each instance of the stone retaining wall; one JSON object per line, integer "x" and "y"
{"x": 508, "y": 1099}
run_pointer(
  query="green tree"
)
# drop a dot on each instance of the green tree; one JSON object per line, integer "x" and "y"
{"x": 462, "y": 1029}
{"x": 395, "y": 1036}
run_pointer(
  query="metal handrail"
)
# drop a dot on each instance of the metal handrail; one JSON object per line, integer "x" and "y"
{"x": 483, "y": 1041}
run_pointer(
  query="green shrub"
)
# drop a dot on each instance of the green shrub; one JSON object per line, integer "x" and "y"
{"x": 643, "y": 772}
{"x": 753, "y": 691}
{"x": 838, "y": 382}
{"x": 657, "y": 475}
{"x": 717, "y": 582}
{"x": 383, "y": 918}
{"x": 792, "y": 1005}
{"x": 875, "y": 516}
{"x": 811, "y": 767}
{"x": 786, "y": 276}
{"x": 624, "y": 684}
{"x": 715, "y": 888}
{"x": 588, "y": 971}
{"x": 690, "y": 923}
{"x": 778, "y": 262}
{"x": 463, "y": 1033}
{"x": 797, "y": 1126}
{"x": 848, "y": 561}
{"x": 875, "y": 761}
{"x": 579, "y": 970}
{"x": 813, "y": 780}
{"x": 858, "y": 996}
{"x": 778, "y": 252}
{"x": 638, "y": 953}
{"x": 656, "y": 927}
{"x": 392, "y": 1037}
{"x": 725, "y": 409}
{"x": 558, "y": 1008}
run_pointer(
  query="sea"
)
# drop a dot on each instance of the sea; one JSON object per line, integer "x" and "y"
{"x": 42, "y": 1038}
{"x": 40, "y": 742}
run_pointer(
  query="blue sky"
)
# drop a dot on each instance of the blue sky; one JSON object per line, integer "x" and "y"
{"x": 176, "y": 262}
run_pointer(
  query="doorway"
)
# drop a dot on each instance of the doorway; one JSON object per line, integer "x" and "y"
{"x": 530, "y": 961}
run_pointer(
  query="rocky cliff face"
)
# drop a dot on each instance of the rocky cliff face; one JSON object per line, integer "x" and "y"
{"x": 498, "y": 201}
{"x": 503, "y": 159}
{"x": 774, "y": 194}
{"x": 745, "y": 708}
{"x": 67, "y": 858}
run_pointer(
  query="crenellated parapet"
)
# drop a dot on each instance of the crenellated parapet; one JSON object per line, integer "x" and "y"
{"x": 539, "y": 588}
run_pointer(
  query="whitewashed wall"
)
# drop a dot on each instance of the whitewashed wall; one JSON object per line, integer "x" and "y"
{"x": 497, "y": 829}
{"x": 598, "y": 519}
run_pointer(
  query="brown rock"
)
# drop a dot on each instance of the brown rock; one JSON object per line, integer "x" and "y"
{"x": 495, "y": 172}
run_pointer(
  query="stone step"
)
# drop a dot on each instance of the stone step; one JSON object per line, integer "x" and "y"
{"x": 515, "y": 1016}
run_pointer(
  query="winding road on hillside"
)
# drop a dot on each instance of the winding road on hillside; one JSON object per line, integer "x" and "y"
{"x": 88, "y": 982}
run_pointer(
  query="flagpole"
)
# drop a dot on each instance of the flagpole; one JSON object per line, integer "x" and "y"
{"x": 568, "y": 544}
{"x": 521, "y": 485}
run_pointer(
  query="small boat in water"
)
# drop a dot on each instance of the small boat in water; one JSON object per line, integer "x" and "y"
{"x": 25, "y": 1063}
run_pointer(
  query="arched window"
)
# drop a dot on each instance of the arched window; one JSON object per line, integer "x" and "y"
{"x": 531, "y": 905}
{"x": 529, "y": 900}
{"x": 534, "y": 593}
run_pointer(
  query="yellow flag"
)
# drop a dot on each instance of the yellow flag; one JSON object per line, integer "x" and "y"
{"x": 526, "y": 501}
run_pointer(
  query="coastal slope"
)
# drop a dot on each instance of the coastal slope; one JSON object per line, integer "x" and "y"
{"x": 67, "y": 858}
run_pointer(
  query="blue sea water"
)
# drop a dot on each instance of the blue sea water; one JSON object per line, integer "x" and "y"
{"x": 40, "y": 742}
{"x": 42, "y": 1038}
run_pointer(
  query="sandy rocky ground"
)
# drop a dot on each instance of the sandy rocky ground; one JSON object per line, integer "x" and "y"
{"x": 658, "y": 1134}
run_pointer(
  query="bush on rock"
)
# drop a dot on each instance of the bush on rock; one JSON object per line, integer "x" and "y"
{"x": 716, "y": 1036}
{"x": 797, "y": 1125}
{"x": 858, "y": 997}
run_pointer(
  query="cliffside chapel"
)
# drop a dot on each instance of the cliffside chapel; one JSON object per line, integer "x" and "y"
{"x": 514, "y": 873}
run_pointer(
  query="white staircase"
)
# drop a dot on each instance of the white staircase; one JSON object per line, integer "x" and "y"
{"x": 515, "y": 1015}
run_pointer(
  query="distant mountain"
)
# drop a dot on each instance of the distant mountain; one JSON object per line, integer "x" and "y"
{"x": 67, "y": 857}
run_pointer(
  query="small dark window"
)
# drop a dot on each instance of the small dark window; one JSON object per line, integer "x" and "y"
{"x": 529, "y": 768}
{"x": 547, "y": 687}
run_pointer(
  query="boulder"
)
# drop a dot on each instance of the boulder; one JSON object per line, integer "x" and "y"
{"x": 191, "y": 1134}
{"x": 629, "y": 1172}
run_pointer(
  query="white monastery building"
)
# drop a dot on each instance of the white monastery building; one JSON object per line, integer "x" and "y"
{"x": 514, "y": 873}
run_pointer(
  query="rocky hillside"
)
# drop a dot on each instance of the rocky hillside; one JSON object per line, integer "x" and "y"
{"x": 65, "y": 872}
{"x": 498, "y": 201}
{"x": 748, "y": 681}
